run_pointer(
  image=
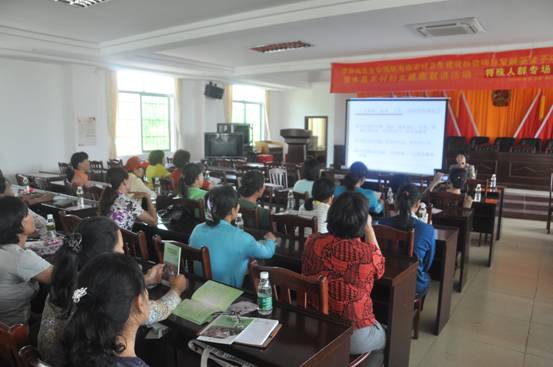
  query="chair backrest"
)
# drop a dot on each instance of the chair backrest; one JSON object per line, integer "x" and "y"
{"x": 478, "y": 140}
{"x": 445, "y": 200}
{"x": 292, "y": 227}
{"x": 251, "y": 216}
{"x": 486, "y": 148}
{"x": 532, "y": 141}
{"x": 299, "y": 199}
{"x": 132, "y": 241}
{"x": 394, "y": 241}
{"x": 523, "y": 148}
{"x": 29, "y": 357}
{"x": 93, "y": 192}
{"x": 548, "y": 146}
{"x": 504, "y": 144}
{"x": 11, "y": 339}
{"x": 68, "y": 221}
{"x": 196, "y": 208}
{"x": 63, "y": 168}
{"x": 188, "y": 256}
{"x": 115, "y": 163}
{"x": 97, "y": 172}
{"x": 292, "y": 288}
{"x": 278, "y": 176}
{"x": 455, "y": 144}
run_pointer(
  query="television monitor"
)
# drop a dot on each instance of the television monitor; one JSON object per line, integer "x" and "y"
{"x": 400, "y": 135}
{"x": 229, "y": 127}
{"x": 223, "y": 145}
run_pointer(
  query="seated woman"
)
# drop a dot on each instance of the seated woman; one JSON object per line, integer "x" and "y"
{"x": 111, "y": 303}
{"x": 39, "y": 221}
{"x": 180, "y": 159}
{"x": 191, "y": 182}
{"x": 119, "y": 206}
{"x": 252, "y": 188}
{"x": 156, "y": 167}
{"x": 354, "y": 181}
{"x": 461, "y": 160}
{"x": 20, "y": 270}
{"x": 136, "y": 169}
{"x": 319, "y": 203}
{"x": 78, "y": 172}
{"x": 408, "y": 200}
{"x": 230, "y": 248}
{"x": 351, "y": 266}
{"x": 311, "y": 172}
{"x": 93, "y": 236}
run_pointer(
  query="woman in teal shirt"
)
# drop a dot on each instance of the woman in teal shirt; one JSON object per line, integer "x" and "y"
{"x": 353, "y": 181}
{"x": 230, "y": 248}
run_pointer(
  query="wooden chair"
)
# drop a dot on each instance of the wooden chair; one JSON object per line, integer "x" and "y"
{"x": 11, "y": 339}
{"x": 393, "y": 241}
{"x": 445, "y": 200}
{"x": 68, "y": 221}
{"x": 523, "y": 148}
{"x": 299, "y": 199}
{"x": 169, "y": 160}
{"x": 29, "y": 357}
{"x": 292, "y": 227}
{"x": 196, "y": 208}
{"x": 63, "y": 167}
{"x": 115, "y": 163}
{"x": 292, "y": 288}
{"x": 251, "y": 216}
{"x": 93, "y": 192}
{"x": 532, "y": 141}
{"x": 550, "y": 206}
{"x": 97, "y": 171}
{"x": 478, "y": 140}
{"x": 486, "y": 148}
{"x": 504, "y": 144}
{"x": 278, "y": 176}
{"x": 548, "y": 146}
{"x": 132, "y": 241}
{"x": 188, "y": 256}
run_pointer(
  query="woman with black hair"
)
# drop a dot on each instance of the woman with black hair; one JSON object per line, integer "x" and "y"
{"x": 191, "y": 182}
{"x": 311, "y": 172}
{"x": 93, "y": 237}
{"x": 78, "y": 172}
{"x": 180, "y": 159}
{"x": 156, "y": 158}
{"x": 319, "y": 203}
{"x": 408, "y": 200}
{"x": 351, "y": 265}
{"x": 111, "y": 303}
{"x": 230, "y": 248}
{"x": 251, "y": 189}
{"x": 20, "y": 270}
{"x": 119, "y": 206}
{"x": 354, "y": 181}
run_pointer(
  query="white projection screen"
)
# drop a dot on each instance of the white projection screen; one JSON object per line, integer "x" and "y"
{"x": 401, "y": 135}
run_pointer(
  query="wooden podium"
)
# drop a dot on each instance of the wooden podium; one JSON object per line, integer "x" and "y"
{"x": 297, "y": 140}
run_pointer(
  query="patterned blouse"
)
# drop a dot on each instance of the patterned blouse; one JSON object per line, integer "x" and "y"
{"x": 124, "y": 211}
{"x": 53, "y": 324}
{"x": 351, "y": 266}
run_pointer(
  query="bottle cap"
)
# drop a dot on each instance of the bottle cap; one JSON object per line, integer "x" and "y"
{"x": 264, "y": 275}
{"x": 49, "y": 216}
{"x": 239, "y": 215}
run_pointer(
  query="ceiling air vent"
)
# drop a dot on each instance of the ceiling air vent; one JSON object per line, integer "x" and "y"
{"x": 453, "y": 27}
{"x": 280, "y": 47}
{"x": 81, "y": 3}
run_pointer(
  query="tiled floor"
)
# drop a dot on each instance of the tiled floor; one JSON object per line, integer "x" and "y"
{"x": 504, "y": 317}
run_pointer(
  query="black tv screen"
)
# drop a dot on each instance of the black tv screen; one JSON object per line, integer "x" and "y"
{"x": 224, "y": 145}
{"x": 228, "y": 127}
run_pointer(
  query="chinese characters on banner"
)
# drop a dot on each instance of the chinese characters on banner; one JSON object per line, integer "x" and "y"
{"x": 491, "y": 70}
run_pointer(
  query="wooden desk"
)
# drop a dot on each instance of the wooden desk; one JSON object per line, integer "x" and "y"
{"x": 461, "y": 219}
{"x": 305, "y": 339}
{"x": 443, "y": 271}
{"x": 485, "y": 212}
{"x": 45, "y": 176}
{"x": 59, "y": 186}
{"x": 499, "y": 195}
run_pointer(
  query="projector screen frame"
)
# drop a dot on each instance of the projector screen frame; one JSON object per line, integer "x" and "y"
{"x": 446, "y": 99}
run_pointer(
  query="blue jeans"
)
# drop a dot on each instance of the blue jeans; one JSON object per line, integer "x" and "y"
{"x": 370, "y": 339}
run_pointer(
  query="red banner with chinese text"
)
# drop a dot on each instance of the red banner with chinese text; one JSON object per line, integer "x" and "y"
{"x": 530, "y": 68}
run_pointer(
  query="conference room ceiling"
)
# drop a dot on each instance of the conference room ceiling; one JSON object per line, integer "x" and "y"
{"x": 212, "y": 38}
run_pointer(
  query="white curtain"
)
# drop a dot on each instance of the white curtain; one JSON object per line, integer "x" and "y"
{"x": 111, "y": 109}
{"x": 178, "y": 114}
{"x": 267, "y": 112}
{"x": 228, "y": 103}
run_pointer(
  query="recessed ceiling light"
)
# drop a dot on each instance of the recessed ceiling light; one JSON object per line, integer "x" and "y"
{"x": 81, "y": 3}
{"x": 452, "y": 27}
{"x": 281, "y": 46}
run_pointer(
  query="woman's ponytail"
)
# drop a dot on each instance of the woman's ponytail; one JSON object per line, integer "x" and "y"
{"x": 115, "y": 177}
{"x": 408, "y": 195}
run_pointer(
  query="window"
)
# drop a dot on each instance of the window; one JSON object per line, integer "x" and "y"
{"x": 145, "y": 113}
{"x": 248, "y": 107}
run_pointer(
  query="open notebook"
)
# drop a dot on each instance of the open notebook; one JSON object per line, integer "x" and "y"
{"x": 228, "y": 329}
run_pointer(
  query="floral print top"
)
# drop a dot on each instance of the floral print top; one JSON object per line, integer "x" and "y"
{"x": 124, "y": 211}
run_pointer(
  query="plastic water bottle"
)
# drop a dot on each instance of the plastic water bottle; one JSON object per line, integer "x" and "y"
{"x": 290, "y": 202}
{"x": 157, "y": 186}
{"x": 51, "y": 227}
{"x": 26, "y": 185}
{"x": 478, "y": 193}
{"x": 239, "y": 222}
{"x": 423, "y": 215}
{"x": 390, "y": 196}
{"x": 264, "y": 295}
{"x": 494, "y": 182}
{"x": 80, "y": 196}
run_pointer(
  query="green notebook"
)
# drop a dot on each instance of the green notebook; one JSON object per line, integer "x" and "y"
{"x": 210, "y": 298}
